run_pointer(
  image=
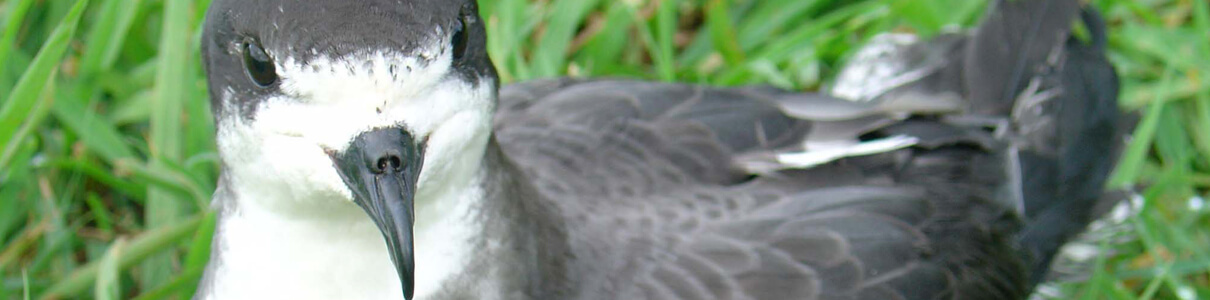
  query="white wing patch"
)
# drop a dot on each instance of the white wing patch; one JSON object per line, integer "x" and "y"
{"x": 822, "y": 153}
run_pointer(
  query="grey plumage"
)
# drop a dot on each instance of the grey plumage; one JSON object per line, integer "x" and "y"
{"x": 618, "y": 189}
{"x": 1061, "y": 101}
{"x": 327, "y": 29}
{"x": 1068, "y": 175}
{"x": 651, "y": 213}
{"x": 641, "y": 163}
{"x": 1014, "y": 40}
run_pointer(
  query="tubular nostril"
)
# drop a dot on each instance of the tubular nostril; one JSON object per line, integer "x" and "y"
{"x": 384, "y": 150}
{"x": 390, "y": 162}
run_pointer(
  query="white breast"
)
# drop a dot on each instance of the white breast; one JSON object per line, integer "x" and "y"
{"x": 342, "y": 255}
{"x": 264, "y": 256}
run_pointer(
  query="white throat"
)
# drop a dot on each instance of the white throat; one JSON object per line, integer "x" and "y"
{"x": 293, "y": 231}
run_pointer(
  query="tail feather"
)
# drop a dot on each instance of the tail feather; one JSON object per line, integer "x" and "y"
{"x": 1015, "y": 39}
{"x": 1060, "y": 203}
{"x": 1051, "y": 97}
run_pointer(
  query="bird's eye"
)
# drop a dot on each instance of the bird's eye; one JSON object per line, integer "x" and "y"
{"x": 459, "y": 40}
{"x": 258, "y": 65}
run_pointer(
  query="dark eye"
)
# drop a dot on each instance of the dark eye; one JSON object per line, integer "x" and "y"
{"x": 258, "y": 64}
{"x": 460, "y": 38}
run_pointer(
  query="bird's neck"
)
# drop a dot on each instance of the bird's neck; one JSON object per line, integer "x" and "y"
{"x": 505, "y": 243}
{"x": 472, "y": 240}
{"x": 521, "y": 244}
{"x": 491, "y": 239}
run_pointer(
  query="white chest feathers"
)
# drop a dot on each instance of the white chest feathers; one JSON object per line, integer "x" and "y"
{"x": 263, "y": 255}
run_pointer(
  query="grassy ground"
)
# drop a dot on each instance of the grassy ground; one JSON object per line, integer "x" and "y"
{"x": 107, "y": 160}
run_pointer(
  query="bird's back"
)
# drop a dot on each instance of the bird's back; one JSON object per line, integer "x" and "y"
{"x": 673, "y": 191}
{"x": 659, "y": 204}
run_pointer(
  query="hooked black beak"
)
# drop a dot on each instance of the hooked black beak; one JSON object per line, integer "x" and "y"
{"x": 381, "y": 167}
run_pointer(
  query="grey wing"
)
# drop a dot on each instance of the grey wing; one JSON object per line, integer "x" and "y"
{"x": 683, "y": 192}
{"x": 899, "y": 225}
{"x": 692, "y": 130}
{"x": 648, "y": 172}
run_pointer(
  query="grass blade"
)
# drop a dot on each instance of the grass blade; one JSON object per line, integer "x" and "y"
{"x": 507, "y": 29}
{"x": 166, "y": 144}
{"x": 12, "y": 25}
{"x": 165, "y": 179}
{"x": 922, "y": 15}
{"x": 550, "y": 57}
{"x": 28, "y": 239}
{"x": 107, "y": 36}
{"x": 100, "y": 213}
{"x": 183, "y": 283}
{"x": 18, "y": 108}
{"x": 601, "y": 53}
{"x": 108, "y": 284}
{"x": 772, "y": 20}
{"x": 25, "y": 284}
{"x": 97, "y": 133}
{"x": 137, "y": 250}
{"x": 133, "y": 189}
{"x": 32, "y": 120}
{"x": 1136, "y": 153}
{"x": 199, "y": 255}
{"x": 665, "y": 35}
{"x": 722, "y": 32}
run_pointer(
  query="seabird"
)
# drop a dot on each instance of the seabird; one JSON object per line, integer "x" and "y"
{"x": 369, "y": 152}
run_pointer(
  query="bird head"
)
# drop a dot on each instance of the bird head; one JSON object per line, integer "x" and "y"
{"x": 364, "y": 108}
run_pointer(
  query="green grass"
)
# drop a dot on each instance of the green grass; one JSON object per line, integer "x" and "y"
{"x": 106, "y": 143}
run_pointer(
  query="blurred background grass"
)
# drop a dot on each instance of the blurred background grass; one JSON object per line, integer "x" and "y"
{"x": 107, "y": 159}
